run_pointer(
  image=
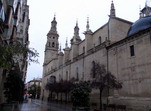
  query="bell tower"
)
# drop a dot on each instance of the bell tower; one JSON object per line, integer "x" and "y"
{"x": 51, "y": 47}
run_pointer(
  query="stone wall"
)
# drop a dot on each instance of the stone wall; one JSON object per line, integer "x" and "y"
{"x": 132, "y": 71}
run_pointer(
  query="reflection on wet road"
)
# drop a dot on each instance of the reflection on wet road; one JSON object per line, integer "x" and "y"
{"x": 37, "y": 105}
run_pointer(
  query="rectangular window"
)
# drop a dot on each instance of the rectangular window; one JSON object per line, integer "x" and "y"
{"x": 23, "y": 17}
{"x": 132, "y": 51}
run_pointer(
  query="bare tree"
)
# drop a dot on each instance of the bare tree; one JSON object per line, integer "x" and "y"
{"x": 102, "y": 79}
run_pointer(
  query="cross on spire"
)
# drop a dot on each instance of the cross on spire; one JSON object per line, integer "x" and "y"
{"x": 87, "y": 27}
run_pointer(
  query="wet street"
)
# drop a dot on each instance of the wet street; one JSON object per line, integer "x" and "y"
{"x": 31, "y": 107}
{"x": 37, "y": 105}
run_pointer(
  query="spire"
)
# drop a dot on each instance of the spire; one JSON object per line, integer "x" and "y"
{"x": 60, "y": 52}
{"x": 54, "y": 18}
{"x": 76, "y": 29}
{"x": 87, "y": 27}
{"x": 77, "y": 22}
{"x": 54, "y": 24}
{"x": 88, "y": 30}
{"x": 76, "y": 37}
{"x": 60, "y": 47}
{"x": 112, "y": 11}
{"x": 66, "y": 45}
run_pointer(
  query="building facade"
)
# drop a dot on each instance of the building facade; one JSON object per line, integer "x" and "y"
{"x": 34, "y": 86}
{"x": 122, "y": 46}
{"x": 14, "y": 23}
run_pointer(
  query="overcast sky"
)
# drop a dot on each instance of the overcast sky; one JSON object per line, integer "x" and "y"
{"x": 41, "y": 13}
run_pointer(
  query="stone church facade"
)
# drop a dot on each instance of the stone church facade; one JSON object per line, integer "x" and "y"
{"x": 122, "y": 46}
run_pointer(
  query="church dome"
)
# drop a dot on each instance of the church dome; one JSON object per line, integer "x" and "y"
{"x": 139, "y": 25}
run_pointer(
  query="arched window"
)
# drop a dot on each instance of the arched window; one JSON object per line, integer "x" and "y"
{"x": 93, "y": 69}
{"x": 100, "y": 40}
{"x": 83, "y": 49}
{"x": 53, "y": 44}
{"x": 52, "y": 79}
